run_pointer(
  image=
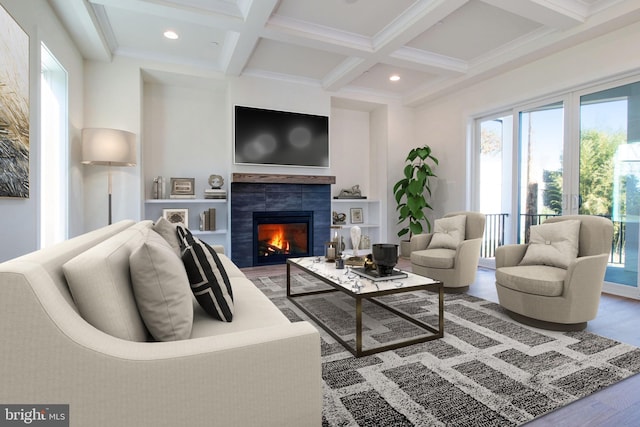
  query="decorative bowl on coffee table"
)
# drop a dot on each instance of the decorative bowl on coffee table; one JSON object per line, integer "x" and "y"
{"x": 385, "y": 256}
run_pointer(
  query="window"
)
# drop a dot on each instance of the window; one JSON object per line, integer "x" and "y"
{"x": 53, "y": 151}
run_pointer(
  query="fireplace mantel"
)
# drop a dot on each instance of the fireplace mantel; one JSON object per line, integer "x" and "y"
{"x": 282, "y": 179}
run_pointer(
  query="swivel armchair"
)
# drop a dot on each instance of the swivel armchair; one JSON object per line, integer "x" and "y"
{"x": 554, "y": 282}
{"x": 451, "y": 253}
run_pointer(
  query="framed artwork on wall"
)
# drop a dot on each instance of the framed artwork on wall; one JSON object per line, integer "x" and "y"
{"x": 14, "y": 108}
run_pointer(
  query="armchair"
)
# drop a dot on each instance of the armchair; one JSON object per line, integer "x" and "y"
{"x": 546, "y": 294}
{"x": 453, "y": 261}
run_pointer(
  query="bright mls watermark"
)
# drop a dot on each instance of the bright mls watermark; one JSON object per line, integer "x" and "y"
{"x": 34, "y": 415}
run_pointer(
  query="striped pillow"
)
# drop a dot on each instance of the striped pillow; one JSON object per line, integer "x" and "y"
{"x": 209, "y": 281}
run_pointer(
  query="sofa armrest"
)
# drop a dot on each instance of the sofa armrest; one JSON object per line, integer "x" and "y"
{"x": 583, "y": 284}
{"x": 51, "y": 355}
{"x": 510, "y": 255}
{"x": 420, "y": 241}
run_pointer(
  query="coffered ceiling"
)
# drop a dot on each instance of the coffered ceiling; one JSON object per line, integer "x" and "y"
{"x": 344, "y": 46}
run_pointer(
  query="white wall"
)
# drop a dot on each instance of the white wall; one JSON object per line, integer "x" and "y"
{"x": 185, "y": 134}
{"x": 444, "y": 121}
{"x": 113, "y": 99}
{"x": 350, "y": 150}
{"x": 21, "y": 216}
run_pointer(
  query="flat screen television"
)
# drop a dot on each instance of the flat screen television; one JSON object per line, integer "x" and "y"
{"x": 269, "y": 137}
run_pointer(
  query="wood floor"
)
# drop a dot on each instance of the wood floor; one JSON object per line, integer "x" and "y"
{"x": 618, "y": 318}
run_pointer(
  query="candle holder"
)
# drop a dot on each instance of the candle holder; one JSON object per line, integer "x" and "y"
{"x": 330, "y": 251}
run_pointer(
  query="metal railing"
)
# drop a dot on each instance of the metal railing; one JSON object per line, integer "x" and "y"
{"x": 494, "y": 233}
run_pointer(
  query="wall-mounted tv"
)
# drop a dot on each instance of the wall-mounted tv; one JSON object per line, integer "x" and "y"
{"x": 269, "y": 137}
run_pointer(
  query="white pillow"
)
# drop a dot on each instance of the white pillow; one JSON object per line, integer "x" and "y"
{"x": 554, "y": 244}
{"x": 161, "y": 288}
{"x": 448, "y": 232}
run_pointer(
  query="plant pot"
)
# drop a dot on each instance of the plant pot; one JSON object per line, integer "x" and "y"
{"x": 405, "y": 248}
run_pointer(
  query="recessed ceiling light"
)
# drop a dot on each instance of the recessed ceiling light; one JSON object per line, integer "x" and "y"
{"x": 394, "y": 78}
{"x": 170, "y": 34}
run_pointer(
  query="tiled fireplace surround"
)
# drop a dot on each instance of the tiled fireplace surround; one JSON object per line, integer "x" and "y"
{"x": 275, "y": 193}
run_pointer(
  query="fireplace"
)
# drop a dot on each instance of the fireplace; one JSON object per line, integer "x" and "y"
{"x": 280, "y": 235}
{"x": 261, "y": 197}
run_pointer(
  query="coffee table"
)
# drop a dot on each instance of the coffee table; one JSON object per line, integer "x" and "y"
{"x": 368, "y": 290}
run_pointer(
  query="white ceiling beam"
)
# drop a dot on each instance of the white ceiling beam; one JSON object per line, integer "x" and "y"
{"x": 558, "y": 14}
{"x": 82, "y": 24}
{"x": 257, "y": 15}
{"x": 421, "y": 16}
{"x": 219, "y": 15}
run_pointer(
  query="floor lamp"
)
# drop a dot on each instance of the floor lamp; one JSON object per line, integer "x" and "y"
{"x": 109, "y": 147}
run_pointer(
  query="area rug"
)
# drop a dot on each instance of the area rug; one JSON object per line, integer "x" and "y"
{"x": 488, "y": 370}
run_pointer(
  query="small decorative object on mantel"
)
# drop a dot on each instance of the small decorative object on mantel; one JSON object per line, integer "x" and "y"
{"x": 339, "y": 218}
{"x": 351, "y": 193}
{"x": 215, "y": 192}
{"x": 183, "y": 188}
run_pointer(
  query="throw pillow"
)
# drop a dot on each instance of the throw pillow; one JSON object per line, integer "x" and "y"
{"x": 168, "y": 231}
{"x": 100, "y": 282}
{"x": 161, "y": 289}
{"x": 448, "y": 232}
{"x": 209, "y": 281}
{"x": 554, "y": 244}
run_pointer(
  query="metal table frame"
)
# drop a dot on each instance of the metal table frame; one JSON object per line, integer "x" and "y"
{"x": 358, "y": 351}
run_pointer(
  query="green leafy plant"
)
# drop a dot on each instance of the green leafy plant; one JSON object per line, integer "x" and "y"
{"x": 410, "y": 191}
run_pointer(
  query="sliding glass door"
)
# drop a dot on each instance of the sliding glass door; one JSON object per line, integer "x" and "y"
{"x": 610, "y": 172}
{"x": 541, "y": 146}
{"x": 576, "y": 154}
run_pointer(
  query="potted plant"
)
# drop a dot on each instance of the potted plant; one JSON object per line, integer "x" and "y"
{"x": 410, "y": 195}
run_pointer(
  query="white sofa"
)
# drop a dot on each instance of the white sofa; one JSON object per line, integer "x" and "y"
{"x": 259, "y": 369}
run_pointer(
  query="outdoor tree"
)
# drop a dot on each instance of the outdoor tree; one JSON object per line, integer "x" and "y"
{"x": 597, "y": 150}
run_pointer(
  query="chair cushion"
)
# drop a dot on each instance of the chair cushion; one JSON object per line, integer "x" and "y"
{"x": 434, "y": 258}
{"x": 533, "y": 279}
{"x": 161, "y": 288}
{"x": 554, "y": 244}
{"x": 209, "y": 281}
{"x": 448, "y": 232}
{"x": 100, "y": 283}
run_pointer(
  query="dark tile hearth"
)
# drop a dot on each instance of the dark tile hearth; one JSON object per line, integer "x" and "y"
{"x": 247, "y": 198}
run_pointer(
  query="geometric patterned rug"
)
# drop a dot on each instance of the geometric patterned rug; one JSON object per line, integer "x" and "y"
{"x": 488, "y": 370}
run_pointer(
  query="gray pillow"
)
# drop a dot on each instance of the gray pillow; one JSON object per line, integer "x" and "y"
{"x": 554, "y": 244}
{"x": 448, "y": 232}
{"x": 168, "y": 231}
{"x": 161, "y": 289}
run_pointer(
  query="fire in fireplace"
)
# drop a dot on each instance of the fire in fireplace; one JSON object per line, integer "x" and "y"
{"x": 279, "y": 235}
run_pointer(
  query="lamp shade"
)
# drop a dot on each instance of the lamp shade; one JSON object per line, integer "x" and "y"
{"x": 108, "y": 147}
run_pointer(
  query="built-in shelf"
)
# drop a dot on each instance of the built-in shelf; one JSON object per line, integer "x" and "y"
{"x": 371, "y": 214}
{"x": 153, "y": 209}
